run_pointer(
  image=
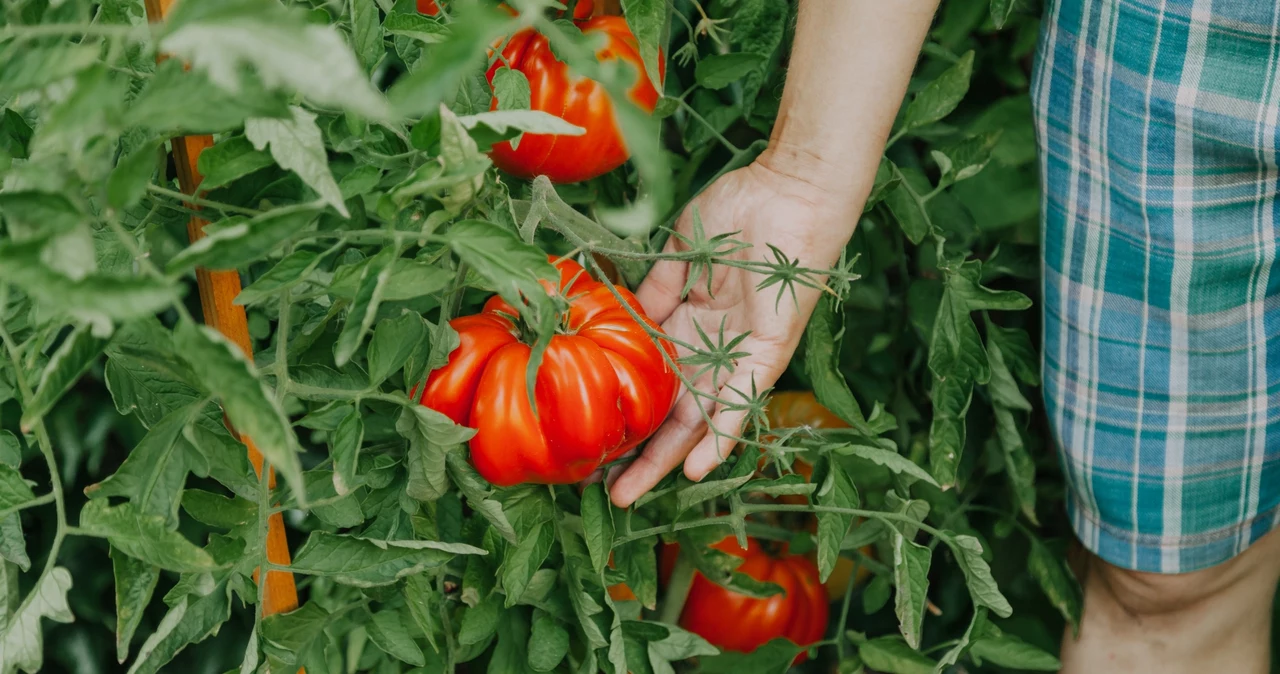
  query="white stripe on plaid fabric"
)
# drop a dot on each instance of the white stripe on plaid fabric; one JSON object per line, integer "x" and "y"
{"x": 1157, "y": 126}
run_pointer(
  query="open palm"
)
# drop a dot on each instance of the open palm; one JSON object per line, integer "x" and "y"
{"x": 765, "y": 209}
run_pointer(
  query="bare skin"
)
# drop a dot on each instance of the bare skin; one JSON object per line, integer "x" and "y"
{"x": 803, "y": 195}
{"x": 1214, "y": 620}
{"x": 848, "y": 74}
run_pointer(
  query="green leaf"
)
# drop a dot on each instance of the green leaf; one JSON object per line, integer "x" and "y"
{"x": 823, "y": 337}
{"x": 94, "y": 298}
{"x": 774, "y": 657}
{"x": 911, "y": 576}
{"x": 287, "y": 273}
{"x": 1000, "y": 11}
{"x": 507, "y": 120}
{"x": 430, "y": 435}
{"x": 759, "y": 27}
{"x": 388, "y": 630}
{"x": 477, "y": 491}
{"x": 239, "y": 241}
{"x": 510, "y": 654}
{"x": 1017, "y": 352}
{"x": 279, "y": 45}
{"x": 364, "y": 309}
{"x": 951, "y": 399}
{"x": 908, "y": 207}
{"x": 837, "y": 491}
{"x": 409, "y": 279}
{"x": 965, "y": 159}
{"x": 647, "y": 18}
{"x": 224, "y": 370}
{"x": 23, "y": 644}
{"x": 129, "y": 180}
{"x": 889, "y": 459}
{"x": 38, "y": 212}
{"x": 28, "y": 66}
{"x": 289, "y": 636}
{"x": 296, "y": 145}
{"x": 77, "y": 353}
{"x": 421, "y": 600}
{"x": 228, "y": 160}
{"x": 393, "y": 340}
{"x": 697, "y": 492}
{"x": 416, "y": 26}
{"x": 480, "y": 621}
{"x": 892, "y": 655}
{"x": 677, "y": 645}
{"x": 940, "y": 96}
{"x": 366, "y": 34}
{"x": 135, "y": 581}
{"x": 523, "y": 560}
{"x": 720, "y": 70}
{"x": 364, "y": 562}
{"x": 1057, "y": 583}
{"x": 597, "y": 525}
{"x": 143, "y": 537}
{"x": 512, "y": 267}
{"x": 1009, "y": 651}
{"x": 345, "y": 451}
{"x": 14, "y": 490}
{"x": 218, "y": 511}
{"x": 511, "y": 88}
{"x": 153, "y": 474}
{"x": 977, "y": 575}
{"x": 548, "y": 644}
{"x": 639, "y": 564}
{"x": 978, "y": 625}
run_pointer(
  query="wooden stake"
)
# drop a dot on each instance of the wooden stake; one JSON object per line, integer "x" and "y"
{"x": 218, "y": 290}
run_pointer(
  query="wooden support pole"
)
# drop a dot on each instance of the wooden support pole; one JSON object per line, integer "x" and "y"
{"x": 218, "y": 290}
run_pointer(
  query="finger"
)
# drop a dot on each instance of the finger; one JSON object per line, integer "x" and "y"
{"x": 659, "y": 294}
{"x": 726, "y": 426}
{"x": 666, "y": 449}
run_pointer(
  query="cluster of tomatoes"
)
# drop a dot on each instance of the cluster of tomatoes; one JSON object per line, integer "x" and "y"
{"x": 607, "y": 378}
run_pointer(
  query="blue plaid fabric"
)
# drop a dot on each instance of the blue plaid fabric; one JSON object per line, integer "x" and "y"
{"x": 1157, "y": 126}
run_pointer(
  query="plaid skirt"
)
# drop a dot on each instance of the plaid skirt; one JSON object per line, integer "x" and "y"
{"x": 1157, "y": 127}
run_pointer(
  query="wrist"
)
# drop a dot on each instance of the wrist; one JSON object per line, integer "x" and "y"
{"x": 838, "y": 179}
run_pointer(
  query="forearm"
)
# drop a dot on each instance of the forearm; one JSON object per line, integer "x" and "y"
{"x": 850, "y": 65}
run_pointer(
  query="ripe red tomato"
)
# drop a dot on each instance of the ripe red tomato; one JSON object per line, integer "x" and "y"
{"x": 577, "y": 100}
{"x": 740, "y": 623}
{"x": 602, "y": 388}
{"x": 428, "y": 7}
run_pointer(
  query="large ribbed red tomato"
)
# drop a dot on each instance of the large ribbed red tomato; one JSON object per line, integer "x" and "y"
{"x": 740, "y": 623}
{"x": 578, "y": 100}
{"x": 602, "y": 388}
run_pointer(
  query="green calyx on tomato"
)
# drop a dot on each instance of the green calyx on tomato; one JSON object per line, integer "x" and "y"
{"x": 799, "y": 614}
{"x": 577, "y": 100}
{"x": 603, "y": 386}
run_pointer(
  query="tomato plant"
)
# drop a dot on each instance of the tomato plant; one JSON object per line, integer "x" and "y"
{"x": 238, "y": 239}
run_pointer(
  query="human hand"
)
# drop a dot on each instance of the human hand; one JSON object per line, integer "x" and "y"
{"x": 766, "y": 206}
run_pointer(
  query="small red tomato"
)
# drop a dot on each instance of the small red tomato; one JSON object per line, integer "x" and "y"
{"x": 577, "y": 100}
{"x": 428, "y": 7}
{"x": 736, "y": 622}
{"x": 603, "y": 386}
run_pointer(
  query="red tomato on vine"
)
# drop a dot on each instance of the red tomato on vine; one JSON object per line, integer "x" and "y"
{"x": 736, "y": 622}
{"x": 603, "y": 386}
{"x": 740, "y": 623}
{"x": 577, "y": 100}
